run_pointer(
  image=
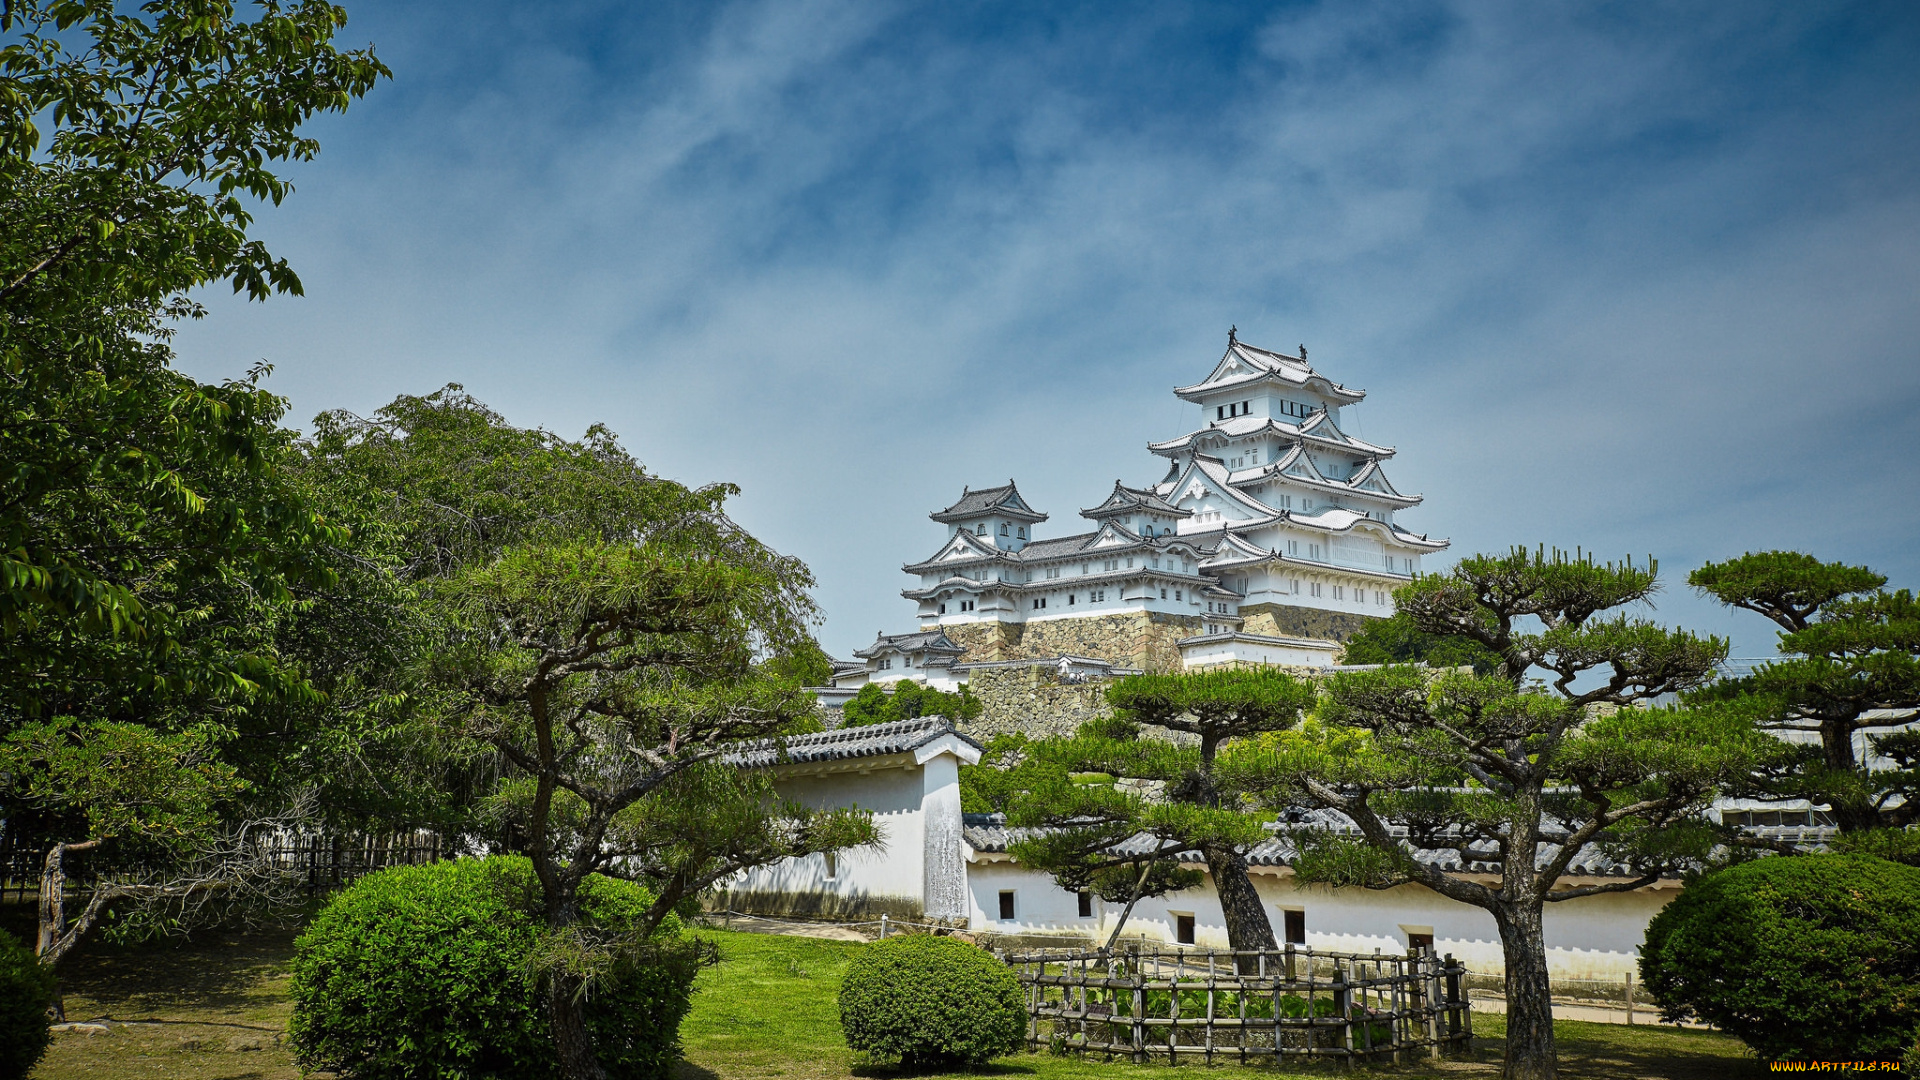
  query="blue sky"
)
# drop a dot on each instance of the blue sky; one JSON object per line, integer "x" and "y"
{"x": 1639, "y": 277}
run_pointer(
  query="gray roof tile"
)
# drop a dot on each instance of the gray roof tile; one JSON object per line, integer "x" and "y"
{"x": 872, "y": 740}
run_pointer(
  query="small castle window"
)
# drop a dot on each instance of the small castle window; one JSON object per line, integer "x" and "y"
{"x": 1176, "y": 594}
{"x": 1003, "y": 529}
{"x": 1021, "y": 532}
{"x": 980, "y": 529}
{"x": 1163, "y": 594}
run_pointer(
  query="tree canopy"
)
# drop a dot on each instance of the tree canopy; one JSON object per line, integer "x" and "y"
{"x": 1850, "y": 663}
{"x": 152, "y": 547}
{"x": 1551, "y": 754}
{"x": 1157, "y": 792}
{"x": 600, "y": 639}
{"x": 905, "y": 700}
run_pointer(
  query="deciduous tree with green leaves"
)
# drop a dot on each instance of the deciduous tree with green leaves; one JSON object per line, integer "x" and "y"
{"x": 1850, "y": 663}
{"x": 1526, "y": 767}
{"x": 150, "y": 546}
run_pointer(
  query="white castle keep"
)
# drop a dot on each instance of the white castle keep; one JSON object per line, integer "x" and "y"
{"x": 1270, "y": 538}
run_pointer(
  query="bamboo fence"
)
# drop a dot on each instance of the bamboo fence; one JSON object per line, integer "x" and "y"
{"x": 1211, "y": 1004}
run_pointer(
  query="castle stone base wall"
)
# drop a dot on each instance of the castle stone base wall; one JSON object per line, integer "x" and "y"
{"x": 984, "y": 641}
{"x": 1285, "y": 620}
{"x": 1142, "y": 639}
{"x": 1032, "y": 701}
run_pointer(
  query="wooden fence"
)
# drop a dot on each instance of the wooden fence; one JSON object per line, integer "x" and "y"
{"x": 1295, "y": 1002}
{"x": 319, "y": 861}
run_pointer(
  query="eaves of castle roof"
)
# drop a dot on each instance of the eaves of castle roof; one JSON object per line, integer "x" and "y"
{"x": 1318, "y": 428}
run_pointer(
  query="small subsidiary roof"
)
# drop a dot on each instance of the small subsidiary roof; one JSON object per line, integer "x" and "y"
{"x": 924, "y": 640}
{"x": 988, "y": 502}
{"x": 1126, "y": 500}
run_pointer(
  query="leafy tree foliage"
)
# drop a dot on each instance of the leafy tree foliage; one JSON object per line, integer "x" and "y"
{"x": 150, "y": 546}
{"x": 1167, "y": 734}
{"x": 1850, "y": 663}
{"x": 1396, "y": 640}
{"x": 1811, "y": 957}
{"x": 1503, "y": 768}
{"x": 608, "y": 636}
{"x": 908, "y": 699}
{"x": 120, "y": 467}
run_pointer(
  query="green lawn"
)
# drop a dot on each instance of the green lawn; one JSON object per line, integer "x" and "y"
{"x": 768, "y": 1010}
{"x": 214, "y": 1009}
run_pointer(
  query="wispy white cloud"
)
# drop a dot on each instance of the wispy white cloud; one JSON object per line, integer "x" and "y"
{"x": 1639, "y": 279}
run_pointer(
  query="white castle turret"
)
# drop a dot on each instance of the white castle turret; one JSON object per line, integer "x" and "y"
{"x": 1270, "y": 538}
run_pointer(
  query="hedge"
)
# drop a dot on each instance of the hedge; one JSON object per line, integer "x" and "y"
{"x": 424, "y": 971}
{"x": 1801, "y": 957}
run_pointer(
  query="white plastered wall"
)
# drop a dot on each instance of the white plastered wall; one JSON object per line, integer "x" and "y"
{"x": 895, "y": 871}
{"x": 1596, "y": 937}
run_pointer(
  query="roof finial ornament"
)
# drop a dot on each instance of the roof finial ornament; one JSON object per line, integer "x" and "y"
{"x": 1303, "y": 352}
{"x": 1231, "y": 338}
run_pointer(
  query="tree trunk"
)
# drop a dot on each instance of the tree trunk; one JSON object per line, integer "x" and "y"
{"x": 1853, "y": 810}
{"x": 570, "y": 1036}
{"x": 1530, "y": 1052}
{"x": 1248, "y": 927}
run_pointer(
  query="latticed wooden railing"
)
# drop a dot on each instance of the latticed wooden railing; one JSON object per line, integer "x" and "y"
{"x": 1294, "y": 1002}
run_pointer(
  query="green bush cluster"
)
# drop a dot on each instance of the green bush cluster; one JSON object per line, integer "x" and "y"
{"x": 428, "y": 971}
{"x": 909, "y": 700}
{"x": 1803, "y": 957}
{"x": 931, "y": 1001}
{"x": 26, "y": 990}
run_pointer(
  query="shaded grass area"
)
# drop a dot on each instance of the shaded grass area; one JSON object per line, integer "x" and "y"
{"x": 215, "y": 1008}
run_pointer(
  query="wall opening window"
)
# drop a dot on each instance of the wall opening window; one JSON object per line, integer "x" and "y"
{"x": 1182, "y": 927}
{"x": 1021, "y": 532}
{"x": 943, "y": 609}
{"x": 1086, "y": 905}
{"x": 1163, "y": 594}
{"x": 1177, "y": 594}
{"x": 980, "y": 529}
{"x": 1420, "y": 942}
{"x": 1006, "y": 903}
{"x": 1069, "y": 599}
{"x": 1003, "y": 530}
{"x": 1296, "y": 928}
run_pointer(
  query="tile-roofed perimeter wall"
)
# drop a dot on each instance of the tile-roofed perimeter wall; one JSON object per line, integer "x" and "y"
{"x": 872, "y": 740}
{"x": 989, "y": 833}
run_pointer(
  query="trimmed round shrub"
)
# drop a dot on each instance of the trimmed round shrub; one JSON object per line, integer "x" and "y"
{"x": 931, "y": 1001}
{"x": 424, "y": 971}
{"x": 26, "y": 991}
{"x": 1801, "y": 957}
